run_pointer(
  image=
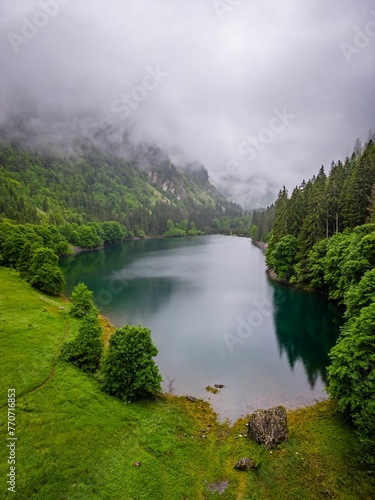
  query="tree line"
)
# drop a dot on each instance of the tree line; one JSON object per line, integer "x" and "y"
{"x": 323, "y": 237}
{"x": 34, "y": 249}
{"x": 125, "y": 369}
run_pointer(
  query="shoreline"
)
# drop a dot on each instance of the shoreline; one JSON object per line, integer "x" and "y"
{"x": 272, "y": 275}
{"x": 77, "y": 250}
{"x": 108, "y": 328}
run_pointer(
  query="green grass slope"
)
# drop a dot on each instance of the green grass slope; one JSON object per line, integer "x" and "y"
{"x": 75, "y": 442}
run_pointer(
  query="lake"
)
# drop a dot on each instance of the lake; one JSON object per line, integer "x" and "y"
{"x": 216, "y": 318}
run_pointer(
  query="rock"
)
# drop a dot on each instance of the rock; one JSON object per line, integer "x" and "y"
{"x": 269, "y": 426}
{"x": 218, "y": 486}
{"x": 245, "y": 464}
{"x": 219, "y": 386}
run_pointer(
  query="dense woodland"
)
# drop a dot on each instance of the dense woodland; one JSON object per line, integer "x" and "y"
{"x": 323, "y": 237}
{"x": 140, "y": 193}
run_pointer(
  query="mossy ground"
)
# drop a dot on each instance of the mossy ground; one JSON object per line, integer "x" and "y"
{"x": 75, "y": 442}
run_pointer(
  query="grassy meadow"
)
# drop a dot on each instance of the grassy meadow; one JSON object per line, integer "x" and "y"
{"x": 75, "y": 442}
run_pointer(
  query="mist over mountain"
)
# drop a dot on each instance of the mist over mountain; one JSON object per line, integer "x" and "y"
{"x": 261, "y": 93}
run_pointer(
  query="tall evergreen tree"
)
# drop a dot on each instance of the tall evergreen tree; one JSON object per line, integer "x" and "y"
{"x": 335, "y": 186}
{"x": 314, "y": 226}
{"x": 296, "y": 211}
{"x": 357, "y": 149}
{"x": 280, "y": 226}
{"x": 360, "y": 187}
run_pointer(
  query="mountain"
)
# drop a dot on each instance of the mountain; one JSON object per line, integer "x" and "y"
{"x": 92, "y": 184}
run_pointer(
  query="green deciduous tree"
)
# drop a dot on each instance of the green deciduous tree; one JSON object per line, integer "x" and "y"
{"x": 48, "y": 279}
{"x": 254, "y": 233}
{"x": 337, "y": 250}
{"x": 113, "y": 232}
{"x": 360, "y": 295}
{"x": 316, "y": 264}
{"x": 86, "y": 350}
{"x": 352, "y": 375}
{"x": 283, "y": 257}
{"x": 44, "y": 273}
{"x": 128, "y": 370}
{"x": 82, "y": 301}
{"x": 175, "y": 231}
{"x": 12, "y": 248}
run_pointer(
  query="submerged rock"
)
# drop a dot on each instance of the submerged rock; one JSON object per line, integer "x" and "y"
{"x": 245, "y": 464}
{"x": 211, "y": 389}
{"x": 269, "y": 426}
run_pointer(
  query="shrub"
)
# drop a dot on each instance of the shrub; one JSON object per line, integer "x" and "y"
{"x": 83, "y": 301}
{"x": 86, "y": 350}
{"x": 128, "y": 370}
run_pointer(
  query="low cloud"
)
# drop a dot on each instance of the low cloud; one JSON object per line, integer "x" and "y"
{"x": 199, "y": 83}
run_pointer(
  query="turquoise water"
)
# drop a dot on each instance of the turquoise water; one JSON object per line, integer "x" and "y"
{"x": 216, "y": 318}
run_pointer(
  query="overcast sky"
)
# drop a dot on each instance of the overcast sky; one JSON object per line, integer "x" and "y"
{"x": 262, "y": 92}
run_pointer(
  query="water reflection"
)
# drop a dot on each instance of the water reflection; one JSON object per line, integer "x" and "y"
{"x": 306, "y": 329}
{"x": 194, "y": 292}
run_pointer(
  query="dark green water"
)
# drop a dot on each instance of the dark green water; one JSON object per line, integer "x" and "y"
{"x": 216, "y": 319}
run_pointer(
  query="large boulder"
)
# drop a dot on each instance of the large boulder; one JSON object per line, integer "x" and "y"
{"x": 269, "y": 426}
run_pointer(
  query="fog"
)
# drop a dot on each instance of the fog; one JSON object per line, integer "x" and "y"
{"x": 262, "y": 92}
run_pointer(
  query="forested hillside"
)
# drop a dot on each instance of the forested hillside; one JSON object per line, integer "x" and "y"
{"x": 50, "y": 203}
{"x": 323, "y": 236}
{"x": 141, "y": 193}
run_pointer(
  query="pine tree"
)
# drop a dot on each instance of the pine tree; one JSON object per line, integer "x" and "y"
{"x": 357, "y": 149}
{"x": 371, "y": 206}
{"x": 280, "y": 226}
{"x": 296, "y": 211}
{"x": 360, "y": 187}
{"x": 314, "y": 226}
{"x": 335, "y": 187}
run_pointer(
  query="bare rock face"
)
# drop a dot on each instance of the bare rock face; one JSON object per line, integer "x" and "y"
{"x": 269, "y": 426}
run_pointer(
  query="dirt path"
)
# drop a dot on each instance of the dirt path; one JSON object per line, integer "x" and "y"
{"x": 53, "y": 365}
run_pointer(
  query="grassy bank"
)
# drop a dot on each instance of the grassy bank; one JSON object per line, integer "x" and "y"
{"x": 75, "y": 442}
